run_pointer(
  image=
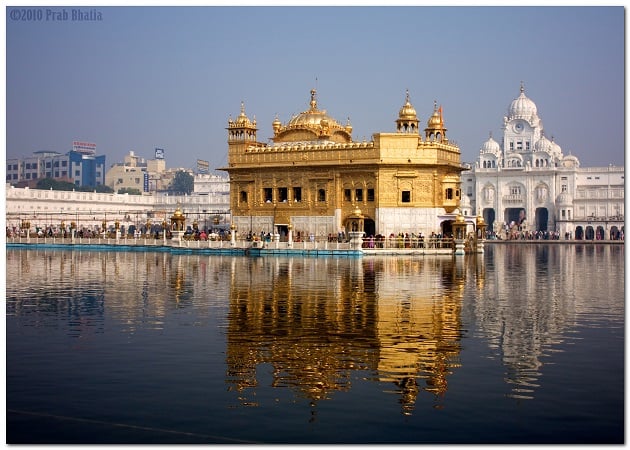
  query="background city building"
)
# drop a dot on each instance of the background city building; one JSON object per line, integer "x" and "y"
{"x": 80, "y": 166}
{"x": 208, "y": 204}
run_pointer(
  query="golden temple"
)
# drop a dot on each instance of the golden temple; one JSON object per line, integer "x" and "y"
{"x": 314, "y": 178}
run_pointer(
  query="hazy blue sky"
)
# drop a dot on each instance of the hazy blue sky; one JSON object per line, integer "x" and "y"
{"x": 170, "y": 77}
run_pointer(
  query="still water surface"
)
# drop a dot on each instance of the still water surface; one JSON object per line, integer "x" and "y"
{"x": 524, "y": 344}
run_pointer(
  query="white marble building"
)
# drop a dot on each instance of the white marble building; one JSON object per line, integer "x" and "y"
{"x": 209, "y": 206}
{"x": 526, "y": 184}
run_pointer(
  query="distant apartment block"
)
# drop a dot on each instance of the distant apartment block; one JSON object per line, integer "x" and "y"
{"x": 80, "y": 166}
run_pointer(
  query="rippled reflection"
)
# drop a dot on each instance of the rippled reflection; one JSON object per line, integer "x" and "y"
{"x": 319, "y": 320}
{"x": 321, "y": 324}
{"x": 533, "y": 296}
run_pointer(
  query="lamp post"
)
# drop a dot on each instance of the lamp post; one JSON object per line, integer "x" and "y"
{"x": 459, "y": 228}
{"x": 481, "y": 234}
{"x": 356, "y": 222}
{"x": 178, "y": 221}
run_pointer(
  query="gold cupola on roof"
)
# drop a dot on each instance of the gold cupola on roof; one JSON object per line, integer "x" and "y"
{"x": 407, "y": 121}
{"x": 242, "y": 129}
{"x": 313, "y": 124}
{"x": 242, "y": 120}
{"x": 276, "y": 124}
{"x": 435, "y": 121}
{"x": 435, "y": 129}
{"x": 349, "y": 126}
{"x": 407, "y": 112}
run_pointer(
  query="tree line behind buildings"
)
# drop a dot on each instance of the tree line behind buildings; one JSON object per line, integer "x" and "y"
{"x": 183, "y": 183}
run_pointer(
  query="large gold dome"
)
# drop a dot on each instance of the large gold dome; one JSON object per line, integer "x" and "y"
{"x": 312, "y": 124}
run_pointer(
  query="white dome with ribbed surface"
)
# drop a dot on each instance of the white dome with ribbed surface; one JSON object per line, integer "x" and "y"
{"x": 522, "y": 107}
{"x": 543, "y": 145}
{"x": 491, "y": 146}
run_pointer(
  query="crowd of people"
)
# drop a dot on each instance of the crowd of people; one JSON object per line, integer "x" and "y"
{"x": 399, "y": 240}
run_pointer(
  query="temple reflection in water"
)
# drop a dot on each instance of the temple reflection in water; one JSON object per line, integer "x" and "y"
{"x": 316, "y": 325}
{"x": 318, "y": 321}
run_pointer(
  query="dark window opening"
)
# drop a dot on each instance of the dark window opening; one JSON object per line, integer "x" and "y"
{"x": 370, "y": 195}
{"x": 283, "y": 195}
{"x": 347, "y": 195}
{"x": 405, "y": 197}
{"x": 359, "y": 195}
{"x": 297, "y": 194}
{"x": 321, "y": 195}
{"x": 268, "y": 195}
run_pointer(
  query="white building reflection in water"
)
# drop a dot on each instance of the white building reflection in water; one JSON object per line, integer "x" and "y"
{"x": 530, "y": 302}
{"x": 315, "y": 326}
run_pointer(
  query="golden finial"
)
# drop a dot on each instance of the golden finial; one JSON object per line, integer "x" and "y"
{"x": 348, "y": 126}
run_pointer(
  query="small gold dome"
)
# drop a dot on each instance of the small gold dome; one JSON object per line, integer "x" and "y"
{"x": 436, "y": 121}
{"x": 178, "y": 213}
{"x": 276, "y": 124}
{"x": 407, "y": 112}
{"x": 242, "y": 120}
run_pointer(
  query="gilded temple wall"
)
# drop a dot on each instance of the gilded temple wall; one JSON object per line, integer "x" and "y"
{"x": 313, "y": 176}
